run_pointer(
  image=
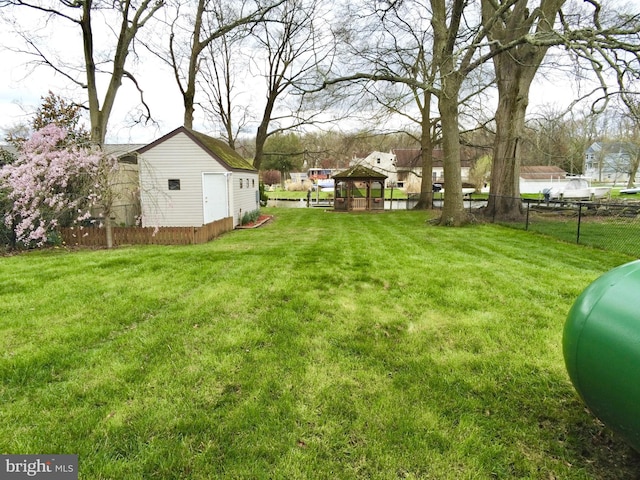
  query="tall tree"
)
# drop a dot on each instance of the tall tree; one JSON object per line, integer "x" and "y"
{"x": 219, "y": 72}
{"x": 515, "y": 70}
{"x": 283, "y": 152}
{"x": 211, "y": 20}
{"x": 456, "y": 51}
{"x": 603, "y": 40}
{"x": 630, "y": 100}
{"x": 288, "y": 50}
{"x": 450, "y": 36}
{"x": 401, "y": 49}
{"x": 124, "y": 19}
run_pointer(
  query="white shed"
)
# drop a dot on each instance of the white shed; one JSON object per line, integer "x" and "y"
{"x": 188, "y": 179}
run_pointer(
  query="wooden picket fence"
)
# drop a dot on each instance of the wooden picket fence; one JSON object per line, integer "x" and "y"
{"x": 97, "y": 237}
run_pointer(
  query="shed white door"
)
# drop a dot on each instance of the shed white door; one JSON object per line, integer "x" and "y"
{"x": 215, "y": 196}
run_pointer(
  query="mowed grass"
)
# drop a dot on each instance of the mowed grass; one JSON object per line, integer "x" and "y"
{"x": 322, "y": 345}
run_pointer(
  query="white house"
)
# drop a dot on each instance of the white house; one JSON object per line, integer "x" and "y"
{"x": 403, "y": 166}
{"x": 190, "y": 179}
{"x": 611, "y": 162}
{"x": 381, "y": 162}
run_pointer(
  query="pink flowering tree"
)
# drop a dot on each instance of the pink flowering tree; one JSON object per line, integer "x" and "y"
{"x": 55, "y": 183}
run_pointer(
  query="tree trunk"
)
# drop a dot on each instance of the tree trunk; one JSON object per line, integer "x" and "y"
{"x": 108, "y": 226}
{"x": 189, "y": 109}
{"x": 504, "y": 201}
{"x": 444, "y": 35}
{"x": 514, "y": 78}
{"x": 426, "y": 184}
{"x": 515, "y": 70}
{"x": 453, "y": 213}
{"x": 426, "y": 144}
{"x": 635, "y": 162}
{"x": 263, "y": 129}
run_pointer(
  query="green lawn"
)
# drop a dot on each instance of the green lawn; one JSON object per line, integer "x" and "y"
{"x": 322, "y": 345}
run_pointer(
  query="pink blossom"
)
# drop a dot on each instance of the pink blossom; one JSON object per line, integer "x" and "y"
{"x": 51, "y": 178}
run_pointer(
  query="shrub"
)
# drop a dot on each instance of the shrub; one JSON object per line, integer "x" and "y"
{"x": 250, "y": 217}
{"x": 271, "y": 177}
{"x": 299, "y": 187}
{"x": 264, "y": 198}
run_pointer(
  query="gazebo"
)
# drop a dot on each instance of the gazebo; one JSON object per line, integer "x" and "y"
{"x": 359, "y": 188}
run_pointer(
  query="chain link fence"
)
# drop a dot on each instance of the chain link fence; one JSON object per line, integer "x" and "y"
{"x": 609, "y": 225}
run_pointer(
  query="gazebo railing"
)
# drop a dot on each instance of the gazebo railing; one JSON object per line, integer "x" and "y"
{"x": 359, "y": 203}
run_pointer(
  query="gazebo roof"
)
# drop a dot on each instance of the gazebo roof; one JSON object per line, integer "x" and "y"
{"x": 359, "y": 172}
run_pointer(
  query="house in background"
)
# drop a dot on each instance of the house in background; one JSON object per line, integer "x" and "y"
{"x": 190, "y": 179}
{"x": 381, "y": 162}
{"x": 403, "y": 166}
{"x": 611, "y": 162}
{"x": 409, "y": 167}
{"x": 538, "y": 178}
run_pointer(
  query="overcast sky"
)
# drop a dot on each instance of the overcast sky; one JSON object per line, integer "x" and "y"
{"x": 21, "y": 91}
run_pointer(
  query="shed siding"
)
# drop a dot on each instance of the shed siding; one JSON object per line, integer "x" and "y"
{"x": 245, "y": 199}
{"x": 181, "y": 159}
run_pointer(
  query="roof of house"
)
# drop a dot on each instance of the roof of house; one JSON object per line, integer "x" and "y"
{"x": 358, "y": 172}
{"x": 609, "y": 148}
{"x": 541, "y": 172}
{"x": 120, "y": 149}
{"x": 218, "y": 149}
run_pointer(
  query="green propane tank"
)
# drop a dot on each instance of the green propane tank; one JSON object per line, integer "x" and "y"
{"x": 601, "y": 345}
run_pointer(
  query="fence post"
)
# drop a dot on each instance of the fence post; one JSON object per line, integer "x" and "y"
{"x": 526, "y": 227}
{"x": 493, "y": 213}
{"x": 579, "y": 221}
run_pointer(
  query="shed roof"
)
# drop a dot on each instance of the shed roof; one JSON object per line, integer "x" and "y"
{"x": 359, "y": 172}
{"x": 218, "y": 149}
{"x": 541, "y": 172}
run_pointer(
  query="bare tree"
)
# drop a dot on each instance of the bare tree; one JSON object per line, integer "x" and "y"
{"x": 456, "y": 48}
{"x": 556, "y": 137}
{"x": 211, "y": 20}
{"x": 219, "y": 71}
{"x": 530, "y": 28}
{"x": 287, "y": 52}
{"x": 515, "y": 70}
{"x": 123, "y": 19}
{"x": 631, "y": 102}
{"x": 401, "y": 49}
